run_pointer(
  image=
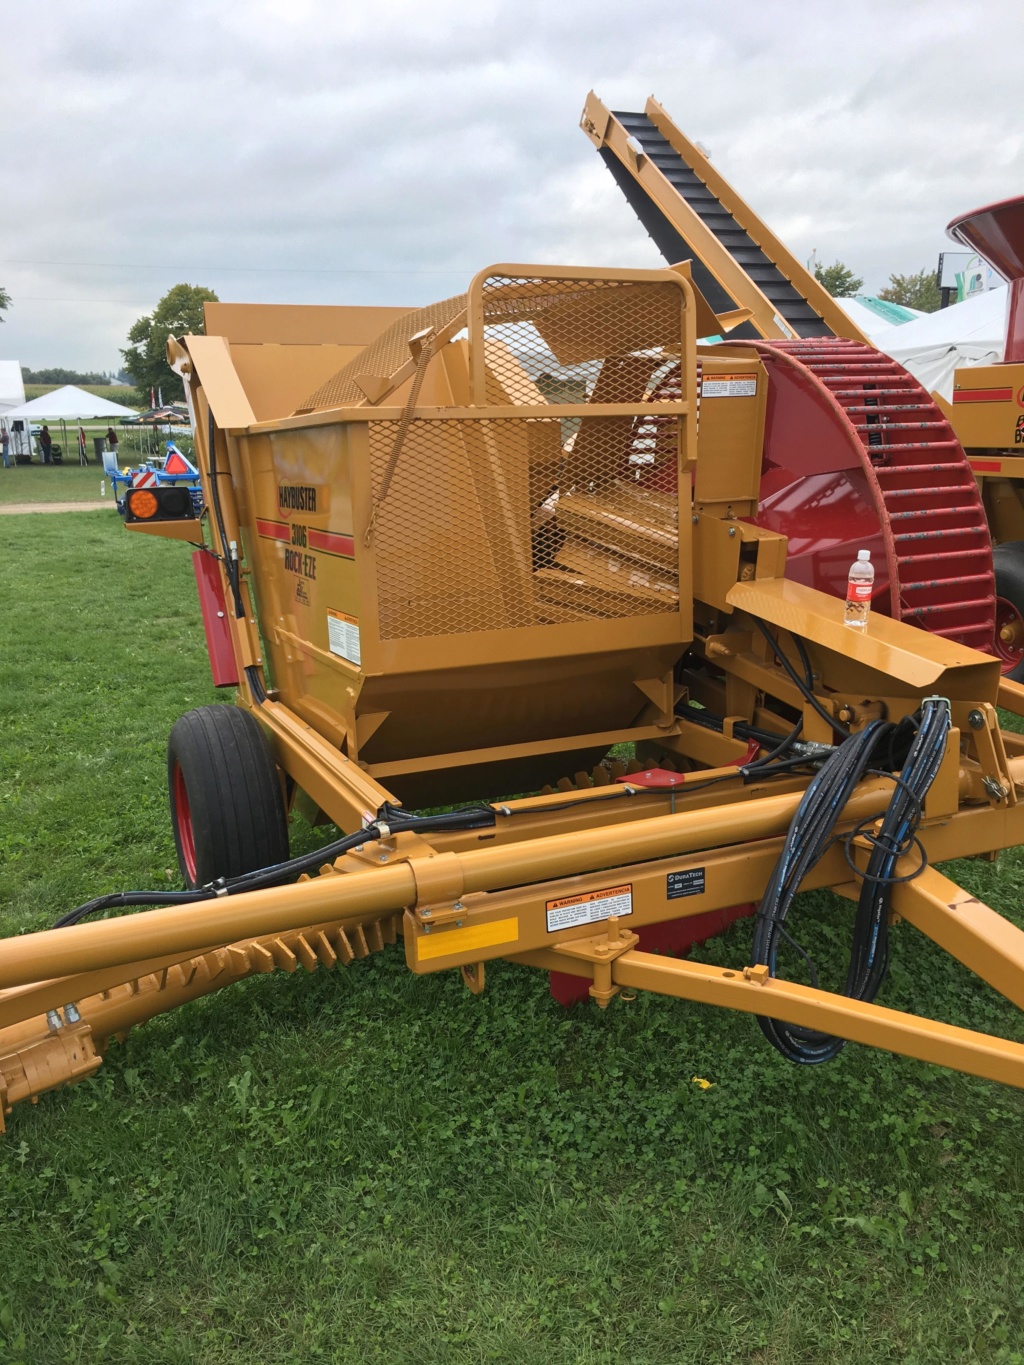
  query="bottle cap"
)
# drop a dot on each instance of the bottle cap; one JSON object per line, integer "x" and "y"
{"x": 863, "y": 554}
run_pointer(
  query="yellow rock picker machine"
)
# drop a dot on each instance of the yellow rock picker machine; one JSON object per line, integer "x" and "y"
{"x": 496, "y": 592}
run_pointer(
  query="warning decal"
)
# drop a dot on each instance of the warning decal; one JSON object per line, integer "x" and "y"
{"x": 343, "y": 636}
{"x": 729, "y": 386}
{"x": 589, "y": 908}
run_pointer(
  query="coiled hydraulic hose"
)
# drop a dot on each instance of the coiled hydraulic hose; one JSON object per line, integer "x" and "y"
{"x": 810, "y": 835}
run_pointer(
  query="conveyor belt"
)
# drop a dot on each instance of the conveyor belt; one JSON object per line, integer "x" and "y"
{"x": 690, "y": 212}
{"x": 785, "y": 299}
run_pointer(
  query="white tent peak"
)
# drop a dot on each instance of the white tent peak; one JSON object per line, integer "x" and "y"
{"x": 934, "y": 347}
{"x": 12, "y": 390}
{"x": 69, "y": 404}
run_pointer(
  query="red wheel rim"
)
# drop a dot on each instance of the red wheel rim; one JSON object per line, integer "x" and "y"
{"x": 183, "y": 821}
{"x": 1009, "y": 634}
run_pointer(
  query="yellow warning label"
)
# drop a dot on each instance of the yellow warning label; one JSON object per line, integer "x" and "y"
{"x": 447, "y": 942}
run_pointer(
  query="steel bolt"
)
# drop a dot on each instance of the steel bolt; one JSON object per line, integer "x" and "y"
{"x": 975, "y": 720}
{"x": 732, "y": 531}
{"x": 695, "y": 520}
{"x": 426, "y": 913}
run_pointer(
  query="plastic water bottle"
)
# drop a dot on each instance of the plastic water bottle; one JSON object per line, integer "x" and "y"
{"x": 858, "y": 590}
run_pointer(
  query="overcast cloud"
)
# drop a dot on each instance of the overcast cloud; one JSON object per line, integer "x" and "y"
{"x": 312, "y": 152}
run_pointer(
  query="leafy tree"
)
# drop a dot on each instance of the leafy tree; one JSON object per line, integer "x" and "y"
{"x": 145, "y": 357}
{"x": 913, "y": 291}
{"x": 838, "y": 279}
{"x": 5, "y": 300}
{"x": 60, "y": 376}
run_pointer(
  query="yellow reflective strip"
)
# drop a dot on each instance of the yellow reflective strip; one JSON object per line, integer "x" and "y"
{"x": 451, "y": 941}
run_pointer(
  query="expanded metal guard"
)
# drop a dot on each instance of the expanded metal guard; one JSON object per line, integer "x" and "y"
{"x": 518, "y": 518}
{"x": 494, "y": 524}
{"x": 550, "y": 339}
{"x": 383, "y": 357}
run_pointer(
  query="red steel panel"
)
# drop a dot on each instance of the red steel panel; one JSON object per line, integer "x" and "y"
{"x": 215, "y": 620}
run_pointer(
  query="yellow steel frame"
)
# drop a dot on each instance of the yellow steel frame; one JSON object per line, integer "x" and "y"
{"x": 484, "y": 896}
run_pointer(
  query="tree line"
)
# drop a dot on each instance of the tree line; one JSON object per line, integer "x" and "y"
{"x": 57, "y": 375}
{"x": 919, "y": 291}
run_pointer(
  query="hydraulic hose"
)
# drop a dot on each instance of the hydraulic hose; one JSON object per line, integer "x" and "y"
{"x": 390, "y": 820}
{"x": 810, "y": 835}
{"x": 803, "y": 685}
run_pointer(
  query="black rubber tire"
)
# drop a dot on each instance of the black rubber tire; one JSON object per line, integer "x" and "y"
{"x": 1008, "y": 562}
{"x": 225, "y": 795}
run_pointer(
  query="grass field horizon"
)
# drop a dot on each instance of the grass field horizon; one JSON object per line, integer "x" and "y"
{"x": 365, "y": 1166}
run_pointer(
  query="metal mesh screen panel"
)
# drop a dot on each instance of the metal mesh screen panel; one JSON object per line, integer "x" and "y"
{"x": 383, "y": 357}
{"x": 497, "y": 524}
{"x": 572, "y": 341}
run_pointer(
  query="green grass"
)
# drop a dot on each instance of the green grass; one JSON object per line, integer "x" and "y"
{"x": 369, "y": 1167}
{"x": 53, "y": 483}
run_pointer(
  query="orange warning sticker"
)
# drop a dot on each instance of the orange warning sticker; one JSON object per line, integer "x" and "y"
{"x": 590, "y": 907}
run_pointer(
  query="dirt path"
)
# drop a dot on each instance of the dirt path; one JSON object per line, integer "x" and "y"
{"x": 11, "y": 508}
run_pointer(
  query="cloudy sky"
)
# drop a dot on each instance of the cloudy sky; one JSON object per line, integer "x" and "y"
{"x": 321, "y": 151}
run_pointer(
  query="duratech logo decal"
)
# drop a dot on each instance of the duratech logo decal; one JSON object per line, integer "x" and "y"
{"x": 300, "y": 497}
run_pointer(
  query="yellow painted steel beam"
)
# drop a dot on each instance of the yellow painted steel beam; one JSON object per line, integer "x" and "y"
{"x": 467, "y": 757}
{"x": 25, "y": 1002}
{"x": 893, "y": 649}
{"x": 927, "y": 1040}
{"x": 325, "y": 417}
{"x": 773, "y": 247}
{"x": 388, "y": 888}
{"x": 337, "y": 784}
{"x": 1011, "y": 696}
{"x": 964, "y": 926}
{"x": 44, "y": 1052}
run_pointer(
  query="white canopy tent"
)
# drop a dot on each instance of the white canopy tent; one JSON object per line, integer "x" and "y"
{"x": 875, "y": 317}
{"x": 12, "y": 388}
{"x": 67, "y": 404}
{"x": 933, "y": 346}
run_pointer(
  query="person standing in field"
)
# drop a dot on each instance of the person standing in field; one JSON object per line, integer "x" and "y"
{"x": 5, "y": 442}
{"x": 83, "y": 458}
{"x": 45, "y": 442}
{"x": 112, "y": 440}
